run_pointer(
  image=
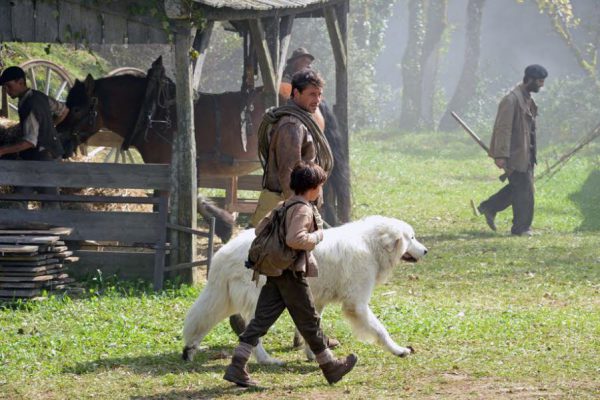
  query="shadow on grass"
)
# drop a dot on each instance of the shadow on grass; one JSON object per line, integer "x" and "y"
{"x": 484, "y": 233}
{"x": 171, "y": 363}
{"x": 587, "y": 199}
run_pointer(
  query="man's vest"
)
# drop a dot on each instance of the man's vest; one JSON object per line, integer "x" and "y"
{"x": 37, "y": 103}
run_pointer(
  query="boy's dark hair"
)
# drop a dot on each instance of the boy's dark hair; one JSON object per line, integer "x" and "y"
{"x": 306, "y": 77}
{"x": 306, "y": 176}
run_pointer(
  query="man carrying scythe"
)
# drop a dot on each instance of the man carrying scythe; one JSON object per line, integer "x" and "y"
{"x": 513, "y": 148}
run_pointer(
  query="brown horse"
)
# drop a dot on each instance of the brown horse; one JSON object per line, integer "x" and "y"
{"x": 114, "y": 103}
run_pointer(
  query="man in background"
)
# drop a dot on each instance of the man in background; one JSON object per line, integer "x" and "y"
{"x": 513, "y": 148}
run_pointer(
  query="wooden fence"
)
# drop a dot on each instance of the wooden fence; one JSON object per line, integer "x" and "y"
{"x": 136, "y": 241}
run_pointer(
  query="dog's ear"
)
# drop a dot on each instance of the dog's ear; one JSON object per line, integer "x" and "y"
{"x": 390, "y": 243}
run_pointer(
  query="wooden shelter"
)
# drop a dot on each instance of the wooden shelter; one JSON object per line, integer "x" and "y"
{"x": 267, "y": 25}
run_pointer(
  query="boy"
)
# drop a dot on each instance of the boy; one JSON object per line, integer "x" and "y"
{"x": 289, "y": 288}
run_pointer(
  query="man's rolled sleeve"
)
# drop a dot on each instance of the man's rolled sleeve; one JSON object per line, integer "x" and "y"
{"x": 31, "y": 127}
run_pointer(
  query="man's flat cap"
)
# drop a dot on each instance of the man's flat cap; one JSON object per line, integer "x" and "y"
{"x": 10, "y": 74}
{"x": 536, "y": 71}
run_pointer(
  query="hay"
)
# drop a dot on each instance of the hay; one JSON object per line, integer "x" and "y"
{"x": 10, "y": 131}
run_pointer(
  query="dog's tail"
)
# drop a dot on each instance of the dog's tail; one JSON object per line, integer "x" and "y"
{"x": 211, "y": 307}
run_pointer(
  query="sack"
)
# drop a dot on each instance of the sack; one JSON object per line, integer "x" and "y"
{"x": 269, "y": 254}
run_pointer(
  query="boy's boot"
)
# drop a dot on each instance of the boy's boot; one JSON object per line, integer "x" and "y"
{"x": 335, "y": 368}
{"x": 237, "y": 372}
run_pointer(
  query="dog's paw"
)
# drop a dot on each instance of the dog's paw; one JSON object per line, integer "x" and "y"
{"x": 403, "y": 351}
{"x": 310, "y": 356}
{"x": 271, "y": 361}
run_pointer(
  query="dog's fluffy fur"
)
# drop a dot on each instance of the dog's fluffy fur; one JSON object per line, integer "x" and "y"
{"x": 352, "y": 259}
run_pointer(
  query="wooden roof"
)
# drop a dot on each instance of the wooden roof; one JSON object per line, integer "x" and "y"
{"x": 232, "y": 10}
{"x": 258, "y": 4}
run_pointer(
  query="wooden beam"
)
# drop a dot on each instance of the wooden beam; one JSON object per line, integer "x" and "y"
{"x": 201, "y": 46}
{"x": 335, "y": 36}
{"x": 337, "y": 25}
{"x": 285, "y": 35}
{"x": 230, "y": 14}
{"x": 45, "y": 25}
{"x": 5, "y": 21}
{"x": 264, "y": 57}
{"x": 184, "y": 177}
{"x": 23, "y": 26}
{"x": 76, "y": 175}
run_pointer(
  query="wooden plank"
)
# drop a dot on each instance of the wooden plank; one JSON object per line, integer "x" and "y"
{"x": 335, "y": 36}
{"x": 40, "y": 278}
{"x": 125, "y": 265}
{"x": 23, "y": 18}
{"x": 137, "y": 32}
{"x": 201, "y": 42}
{"x": 25, "y": 264}
{"x": 91, "y": 25}
{"x": 7, "y": 248}
{"x": 29, "y": 270}
{"x": 28, "y": 239}
{"x": 14, "y": 293}
{"x": 246, "y": 182}
{"x": 24, "y": 258}
{"x": 78, "y": 198}
{"x": 76, "y": 175}
{"x": 48, "y": 232}
{"x": 70, "y": 27}
{"x": 63, "y": 255}
{"x": 46, "y": 21}
{"x": 114, "y": 29}
{"x": 285, "y": 35}
{"x": 127, "y": 227}
{"x": 6, "y": 22}
{"x": 264, "y": 56}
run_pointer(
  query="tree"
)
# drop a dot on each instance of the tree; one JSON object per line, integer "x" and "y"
{"x": 467, "y": 83}
{"x": 564, "y": 21}
{"x": 436, "y": 24}
{"x": 411, "y": 66}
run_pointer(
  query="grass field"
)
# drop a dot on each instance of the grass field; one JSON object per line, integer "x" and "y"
{"x": 491, "y": 316}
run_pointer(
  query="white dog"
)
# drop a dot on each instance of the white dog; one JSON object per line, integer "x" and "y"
{"x": 352, "y": 259}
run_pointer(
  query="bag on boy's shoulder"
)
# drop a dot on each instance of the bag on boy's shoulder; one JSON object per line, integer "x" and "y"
{"x": 269, "y": 254}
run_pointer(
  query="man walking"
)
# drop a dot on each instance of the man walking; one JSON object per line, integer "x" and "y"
{"x": 513, "y": 148}
{"x": 294, "y": 136}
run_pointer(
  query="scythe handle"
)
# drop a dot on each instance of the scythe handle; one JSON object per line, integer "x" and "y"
{"x": 476, "y": 139}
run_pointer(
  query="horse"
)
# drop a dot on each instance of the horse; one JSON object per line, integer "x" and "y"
{"x": 114, "y": 103}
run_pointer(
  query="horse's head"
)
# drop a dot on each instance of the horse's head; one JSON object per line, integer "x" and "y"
{"x": 83, "y": 120}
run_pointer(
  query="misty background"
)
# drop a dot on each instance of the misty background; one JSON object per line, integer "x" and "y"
{"x": 562, "y": 36}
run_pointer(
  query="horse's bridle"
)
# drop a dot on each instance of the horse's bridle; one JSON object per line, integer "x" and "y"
{"x": 92, "y": 116}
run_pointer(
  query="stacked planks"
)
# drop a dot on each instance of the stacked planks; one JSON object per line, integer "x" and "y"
{"x": 33, "y": 262}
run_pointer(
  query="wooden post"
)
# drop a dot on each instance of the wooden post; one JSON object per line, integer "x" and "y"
{"x": 285, "y": 35}
{"x": 184, "y": 175}
{"x": 336, "y": 18}
{"x": 4, "y": 109}
{"x": 201, "y": 45}
{"x": 265, "y": 61}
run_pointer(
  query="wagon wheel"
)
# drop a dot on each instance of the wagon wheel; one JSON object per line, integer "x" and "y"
{"x": 47, "y": 77}
{"x": 116, "y": 154}
{"x": 127, "y": 71}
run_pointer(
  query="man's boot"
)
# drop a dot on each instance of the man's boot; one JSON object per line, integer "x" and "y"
{"x": 489, "y": 217}
{"x": 334, "y": 369}
{"x": 237, "y": 372}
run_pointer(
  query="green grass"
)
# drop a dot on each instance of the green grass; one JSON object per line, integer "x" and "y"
{"x": 491, "y": 316}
